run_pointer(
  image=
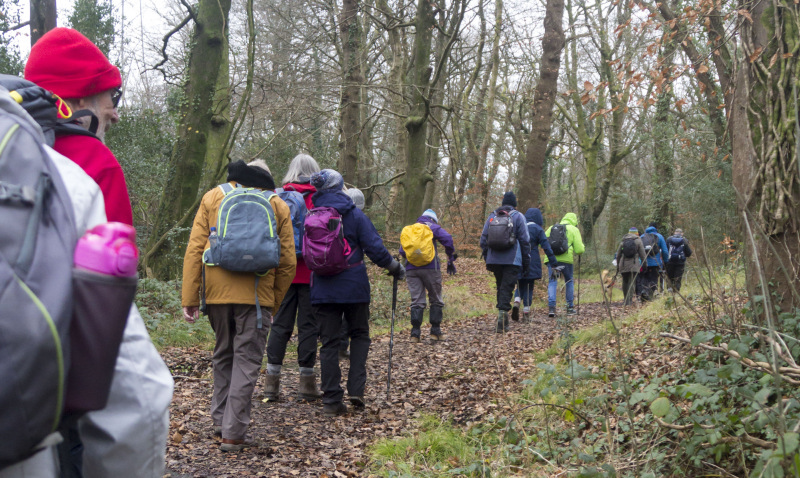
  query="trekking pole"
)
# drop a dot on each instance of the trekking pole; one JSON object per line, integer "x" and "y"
{"x": 391, "y": 337}
{"x": 577, "y": 279}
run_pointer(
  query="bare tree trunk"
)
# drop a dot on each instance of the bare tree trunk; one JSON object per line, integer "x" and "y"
{"x": 182, "y": 192}
{"x": 663, "y": 134}
{"x": 350, "y": 119}
{"x": 43, "y": 18}
{"x": 530, "y": 183}
{"x": 765, "y": 151}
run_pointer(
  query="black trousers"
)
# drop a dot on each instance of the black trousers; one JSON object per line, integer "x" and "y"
{"x": 329, "y": 317}
{"x": 675, "y": 274}
{"x": 648, "y": 282}
{"x": 505, "y": 276}
{"x": 296, "y": 303}
{"x": 628, "y": 286}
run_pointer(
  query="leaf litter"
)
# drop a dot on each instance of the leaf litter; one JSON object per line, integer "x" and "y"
{"x": 465, "y": 377}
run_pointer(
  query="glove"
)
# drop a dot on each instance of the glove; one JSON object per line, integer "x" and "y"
{"x": 555, "y": 265}
{"x": 396, "y": 270}
{"x": 451, "y": 268}
{"x": 556, "y": 272}
{"x": 455, "y": 256}
{"x": 614, "y": 262}
{"x": 483, "y": 254}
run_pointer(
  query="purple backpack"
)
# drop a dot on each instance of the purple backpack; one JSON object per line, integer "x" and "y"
{"x": 325, "y": 250}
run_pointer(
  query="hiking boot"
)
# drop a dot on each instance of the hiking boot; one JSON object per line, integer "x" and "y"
{"x": 551, "y": 312}
{"x": 307, "y": 388}
{"x": 357, "y": 401}
{"x": 272, "y": 388}
{"x": 571, "y": 311}
{"x": 229, "y": 445}
{"x": 502, "y": 322}
{"x": 515, "y": 312}
{"x": 331, "y": 410}
{"x": 526, "y": 315}
{"x": 436, "y": 322}
{"x": 344, "y": 354}
{"x": 416, "y": 323}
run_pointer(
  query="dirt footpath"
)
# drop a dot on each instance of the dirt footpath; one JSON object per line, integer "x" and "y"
{"x": 463, "y": 378}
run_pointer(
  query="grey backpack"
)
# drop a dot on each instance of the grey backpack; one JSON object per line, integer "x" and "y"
{"x": 247, "y": 234}
{"x": 37, "y": 242}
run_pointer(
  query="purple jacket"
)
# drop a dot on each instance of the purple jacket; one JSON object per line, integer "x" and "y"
{"x": 352, "y": 285}
{"x": 439, "y": 234}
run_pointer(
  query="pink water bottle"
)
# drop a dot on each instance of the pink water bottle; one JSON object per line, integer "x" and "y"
{"x": 109, "y": 248}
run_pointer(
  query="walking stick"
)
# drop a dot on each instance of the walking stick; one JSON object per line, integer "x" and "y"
{"x": 577, "y": 279}
{"x": 391, "y": 337}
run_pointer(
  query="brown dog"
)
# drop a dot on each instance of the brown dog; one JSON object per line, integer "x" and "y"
{"x": 607, "y": 280}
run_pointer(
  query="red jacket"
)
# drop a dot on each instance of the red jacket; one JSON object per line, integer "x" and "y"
{"x": 303, "y": 273}
{"x": 100, "y": 164}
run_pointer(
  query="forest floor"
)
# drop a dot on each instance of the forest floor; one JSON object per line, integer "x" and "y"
{"x": 469, "y": 375}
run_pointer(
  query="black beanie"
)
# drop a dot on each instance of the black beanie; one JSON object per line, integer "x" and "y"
{"x": 653, "y": 224}
{"x": 250, "y": 176}
{"x": 509, "y": 199}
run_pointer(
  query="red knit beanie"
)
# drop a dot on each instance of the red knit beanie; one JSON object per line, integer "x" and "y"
{"x": 70, "y": 65}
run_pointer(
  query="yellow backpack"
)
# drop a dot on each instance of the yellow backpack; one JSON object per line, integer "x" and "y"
{"x": 417, "y": 243}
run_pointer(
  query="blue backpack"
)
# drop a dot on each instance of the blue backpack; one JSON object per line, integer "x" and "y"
{"x": 247, "y": 235}
{"x": 298, "y": 209}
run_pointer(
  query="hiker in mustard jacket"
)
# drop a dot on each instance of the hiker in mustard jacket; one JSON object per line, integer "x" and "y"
{"x": 240, "y": 345}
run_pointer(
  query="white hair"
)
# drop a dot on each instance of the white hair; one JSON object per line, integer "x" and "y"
{"x": 300, "y": 169}
{"x": 260, "y": 163}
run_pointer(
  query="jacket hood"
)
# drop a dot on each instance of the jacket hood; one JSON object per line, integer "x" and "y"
{"x": 534, "y": 215}
{"x": 504, "y": 208}
{"x": 651, "y": 230}
{"x": 302, "y": 188}
{"x": 570, "y": 218}
{"x": 630, "y": 235}
{"x": 426, "y": 220}
{"x": 334, "y": 198}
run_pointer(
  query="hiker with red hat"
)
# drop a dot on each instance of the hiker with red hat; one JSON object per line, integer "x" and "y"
{"x": 128, "y": 436}
{"x": 71, "y": 66}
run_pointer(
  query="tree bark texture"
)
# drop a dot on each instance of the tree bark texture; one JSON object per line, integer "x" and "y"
{"x": 180, "y": 198}
{"x": 43, "y": 18}
{"x": 419, "y": 82}
{"x": 352, "y": 79}
{"x": 530, "y": 180}
{"x": 766, "y": 165}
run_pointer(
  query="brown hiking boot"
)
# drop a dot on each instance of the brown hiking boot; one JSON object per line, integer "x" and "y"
{"x": 307, "y": 388}
{"x": 272, "y": 388}
{"x": 229, "y": 445}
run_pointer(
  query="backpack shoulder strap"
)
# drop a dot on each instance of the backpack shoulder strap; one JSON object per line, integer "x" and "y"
{"x": 226, "y": 188}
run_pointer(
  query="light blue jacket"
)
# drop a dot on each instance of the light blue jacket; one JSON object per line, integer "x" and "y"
{"x": 662, "y": 258}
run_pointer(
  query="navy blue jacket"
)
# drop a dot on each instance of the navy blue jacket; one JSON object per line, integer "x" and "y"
{"x": 439, "y": 234}
{"x": 538, "y": 238}
{"x": 352, "y": 285}
{"x": 516, "y": 256}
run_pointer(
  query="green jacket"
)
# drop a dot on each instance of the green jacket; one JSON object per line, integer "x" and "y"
{"x": 573, "y": 236}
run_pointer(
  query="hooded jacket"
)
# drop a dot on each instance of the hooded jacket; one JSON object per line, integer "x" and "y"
{"x": 538, "y": 238}
{"x": 352, "y": 285}
{"x": 302, "y": 274}
{"x": 662, "y": 258}
{"x": 573, "y": 237}
{"x": 439, "y": 234}
{"x": 630, "y": 264}
{"x": 228, "y": 287}
{"x": 516, "y": 256}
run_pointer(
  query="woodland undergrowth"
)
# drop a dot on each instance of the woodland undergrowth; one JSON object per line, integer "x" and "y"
{"x": 691, "y": 384}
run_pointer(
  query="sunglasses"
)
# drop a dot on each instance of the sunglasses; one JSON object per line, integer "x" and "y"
{"x": 116, "y": 95}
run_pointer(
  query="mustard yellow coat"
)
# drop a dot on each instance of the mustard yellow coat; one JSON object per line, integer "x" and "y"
{"x": 226, "y": 287}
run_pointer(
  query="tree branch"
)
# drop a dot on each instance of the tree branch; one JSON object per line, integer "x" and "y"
{"x": 15, "y": 27}
{"x": 176, "y": 29}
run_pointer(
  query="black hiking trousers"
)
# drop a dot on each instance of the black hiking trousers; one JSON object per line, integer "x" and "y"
{"x": 628, "y": 286}
{"x": 675, "y": 274}
{"x": 296, "y": 303}
{"x": 505, "y": 275}
{"x": 329, "y": 317}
